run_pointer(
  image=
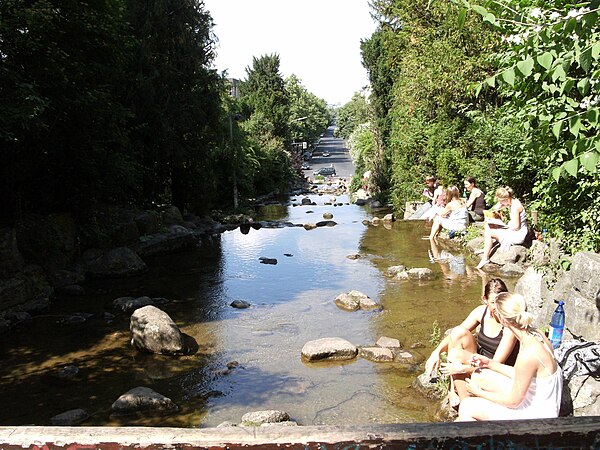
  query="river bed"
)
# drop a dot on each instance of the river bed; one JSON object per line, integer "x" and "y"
{"x": 292, "y": 303}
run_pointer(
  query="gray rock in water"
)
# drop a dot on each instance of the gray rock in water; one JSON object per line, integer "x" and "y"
{"x": 152, "y": 330}
{"x": 388, "y": 342}
{"x": 257, "y": 418}
{"x": 395, "y": 270}
{"x": 130, "y": 304}
{"x": 67, "y": 373}
{"x": 143, "y": 399}
{"x": 309, "y": 226}
{"x": 331, "y": 348}
{"x": 327, "y": 215}
{"x": 376, "y": 354}
{"x": 421, "y": 274}
{"x": 70, "y": 418}
{"x": 265, "y": 260}
{"x": 240, "y": 304}
{"x": 326, "y": 223}
{"x": 119, "y": 262}
{"x": 353, "y": 256}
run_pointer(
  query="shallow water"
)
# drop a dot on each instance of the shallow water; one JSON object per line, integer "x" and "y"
{"x": 292, "y": 303}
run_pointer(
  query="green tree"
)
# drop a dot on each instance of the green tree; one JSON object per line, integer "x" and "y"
{"x": 308, "y": 114}
{"x": 548, "y": 75}
{"x": 352, "y": 114}
{"x": 175, "y": 97}
{"x": 62, "y": 125}
{"x": 264, "y": 92}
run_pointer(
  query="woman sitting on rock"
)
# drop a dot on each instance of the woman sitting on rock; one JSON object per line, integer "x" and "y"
{"x": 476, "y": 200}
{"x": 454, "y": 216}
{"x": 531, "y": 389}
{"x": 513, "y": 233}
{"x": 492, "y": 341}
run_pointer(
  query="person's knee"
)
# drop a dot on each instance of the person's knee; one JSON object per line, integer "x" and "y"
{"x": 458, "y": 333}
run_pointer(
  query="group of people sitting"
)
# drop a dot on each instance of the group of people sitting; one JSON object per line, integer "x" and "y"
{"x": 451, "y": 212}
{"x": 508, "y": 370}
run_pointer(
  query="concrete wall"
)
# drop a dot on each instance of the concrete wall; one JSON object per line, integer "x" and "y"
{"x": 566, "y": 432}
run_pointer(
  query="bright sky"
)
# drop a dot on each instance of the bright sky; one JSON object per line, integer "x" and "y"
{"x": 317, "y": 40}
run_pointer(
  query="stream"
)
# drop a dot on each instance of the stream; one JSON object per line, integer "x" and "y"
{"x": 249, "y": 359}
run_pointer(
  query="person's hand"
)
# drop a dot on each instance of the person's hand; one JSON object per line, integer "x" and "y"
{"x": 473, "y": 388}
{"x": 479, "y": 361}
{"x": 451, "y": 368}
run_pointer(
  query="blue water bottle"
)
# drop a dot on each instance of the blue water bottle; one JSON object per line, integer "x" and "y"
{"x": 557, "y": 325}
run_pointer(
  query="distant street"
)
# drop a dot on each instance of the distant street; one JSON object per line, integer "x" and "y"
{"x": 339, "y": 156}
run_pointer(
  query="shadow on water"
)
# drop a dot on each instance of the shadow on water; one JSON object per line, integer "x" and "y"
{"x": 248, "y": 359}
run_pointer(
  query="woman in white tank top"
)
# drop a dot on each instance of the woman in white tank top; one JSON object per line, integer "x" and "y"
{"x": 512, "y": 233}
{"x": 531, "y": 389}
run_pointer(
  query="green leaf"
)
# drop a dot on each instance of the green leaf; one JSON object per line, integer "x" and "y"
{"x": 572, "y": 167}
{"x": 489, "y": 18}
{"x": 570, "y": 25}
{"x": 508, "y": 76}
{"x": 585, "y": 59}
{"x": 479, "y": 10}
{"x": 559, "y": 73}
{"x": 567, "y": 86}
{"x": 589, "y": 160}
{"x": 556, "y": 129}
{"x": 583, "y": 86}
{"x": 526, "y": 66}
{"x": 596, "y": 50}
{"x": 491, "y": 81}
{"x": 545, "y": 60}
{"x": 462, "y": 15}
{"x": 478, "y": 88}
{"x": 592, "y": 116}
{"x": 556, "y": 173}
{"x": 574, "y": 125}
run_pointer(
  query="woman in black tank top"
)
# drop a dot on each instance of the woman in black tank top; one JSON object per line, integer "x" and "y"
{"x": 460, "y": 344}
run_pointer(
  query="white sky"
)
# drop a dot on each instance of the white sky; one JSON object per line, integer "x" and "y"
{"x": 317, "y": 40}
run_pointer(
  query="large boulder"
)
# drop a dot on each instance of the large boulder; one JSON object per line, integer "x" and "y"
{"x": 575, "y": 287}
{"x": 514, "y": 254}
{"x": 70, "y": 418}
{"x": 153, "y": 331}
{"x": 147, "y": 222}
{"x": 118, "y": 262}
{"x": 331, "y": 349}
{"x": 11, "y": 260}
{"x": 585, "y": 275}
{"x": 49, "y": 241}
{"x": 143, "y": 399}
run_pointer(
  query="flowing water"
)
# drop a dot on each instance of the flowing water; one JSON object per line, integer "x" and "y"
{"x": 292, "y": 303}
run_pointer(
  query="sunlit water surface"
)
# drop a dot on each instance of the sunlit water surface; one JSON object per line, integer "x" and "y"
{"x": 292, "y": 303}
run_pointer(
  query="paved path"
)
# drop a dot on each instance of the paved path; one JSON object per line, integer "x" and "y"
{"x": 339, "y": 155}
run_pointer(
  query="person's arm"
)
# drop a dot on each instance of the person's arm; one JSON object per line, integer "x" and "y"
{"x": 472, "y": 198}
{"x": 506, "y": 346}
{"x": 427, "y": 194}
{"x": 524, "y": 371}
{"x": 470, "y": 323}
